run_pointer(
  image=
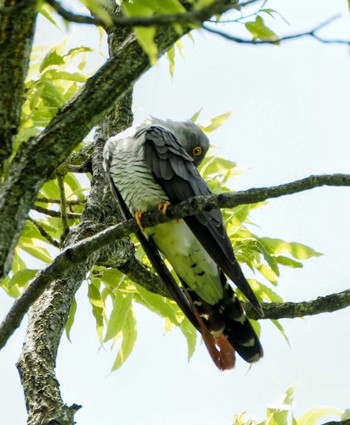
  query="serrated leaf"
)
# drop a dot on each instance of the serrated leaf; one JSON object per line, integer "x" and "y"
{"x": 71, "y": 317}
{"x": 313, "y": 415}
{"x": 129, "y": 339}
{"x": 121, "y": 307}
{"x": 260, "y": 31}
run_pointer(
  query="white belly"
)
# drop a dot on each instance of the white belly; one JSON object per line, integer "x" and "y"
{"x": 188, "y": 258}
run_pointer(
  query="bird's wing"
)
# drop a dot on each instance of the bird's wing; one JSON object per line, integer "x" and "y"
{"x": 173, "y": 169}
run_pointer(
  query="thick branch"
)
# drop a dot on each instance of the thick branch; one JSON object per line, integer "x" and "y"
{"x": 80, "y": 251}
{"x": 49, "y": 314}
{"x": 17, "y": 20}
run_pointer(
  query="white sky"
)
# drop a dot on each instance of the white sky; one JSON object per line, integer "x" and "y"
{"x": 290, "y": 113}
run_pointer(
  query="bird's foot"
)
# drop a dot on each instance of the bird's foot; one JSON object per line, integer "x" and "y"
{"x": 163, "y": 206}
{"x": 138, "y": 218}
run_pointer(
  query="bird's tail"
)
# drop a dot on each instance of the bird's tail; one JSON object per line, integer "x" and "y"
{"x": 227, "y": 319}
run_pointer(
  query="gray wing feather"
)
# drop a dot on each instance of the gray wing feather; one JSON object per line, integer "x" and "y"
{"x": 173, "y": 169}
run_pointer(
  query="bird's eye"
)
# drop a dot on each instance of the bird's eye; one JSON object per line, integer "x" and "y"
{"x": 197, "y": 151}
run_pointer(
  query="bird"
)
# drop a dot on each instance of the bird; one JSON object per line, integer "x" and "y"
{"x": 153, "y": 165}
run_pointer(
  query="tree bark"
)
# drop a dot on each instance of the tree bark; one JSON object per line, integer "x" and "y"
{"x": 17, "y": 23}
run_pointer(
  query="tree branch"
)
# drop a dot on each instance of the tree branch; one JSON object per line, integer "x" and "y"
{"x": 190, "y": 17}
{"x": 80, "y": 251}
{"x": 17, "y": 21}
{"x": 291, "y": 310}
{"x": 53, "y": 213}
{"x": 311, "y": 33}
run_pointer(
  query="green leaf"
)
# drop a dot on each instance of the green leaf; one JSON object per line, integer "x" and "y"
{"x": 345, "y": 415}
{"x": 51, "y": 58}
{"x": 216, "y": 122}
{"x": 286, "y": 261}
{"x": 288, "y": 399}
{"x": 99, "y": 8}
{"x": 22, "y": 277}
{"x": 36, "y": 251}
{"x": 52, "y": 95}
{"x": 129, "y": 337}
{"x": 97, "y": 309}
{"x": 296, "y": 249}
{"x": 57, "y": 74}
{"x": 260, "y": 31}
{"x": 159, "y": 305}
{"x": 190, "y": 334}
{"x": 47, "y": 11}
{"x": 281, "y": 329}
{"x": 121, "y": 307}
{"x": 195, "y": 116}
{"x": 71, "y": 317}
{"x": 145, "y": 35}
{"x": 268, "y": 273}
{"x": 315, "y": 414}
{"x": 171, "y": 58}
{"x": 264, "y": 293}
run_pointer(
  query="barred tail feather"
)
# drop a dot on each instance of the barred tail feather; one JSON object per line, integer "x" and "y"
{"x": 238, "y": 329}
{"x": 227, "y": 324}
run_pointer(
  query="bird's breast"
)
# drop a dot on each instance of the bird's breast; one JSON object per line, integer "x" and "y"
{"x": 132, "y": 177}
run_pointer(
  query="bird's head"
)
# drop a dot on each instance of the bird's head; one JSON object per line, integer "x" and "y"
{"x": 191, "y": 137}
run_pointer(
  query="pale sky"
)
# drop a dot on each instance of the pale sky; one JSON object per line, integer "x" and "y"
{"x": 290, "y": 111}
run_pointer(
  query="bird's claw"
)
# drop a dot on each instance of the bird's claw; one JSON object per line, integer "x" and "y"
{"x": 163, "y": 206}
{"x": 138, "y": 218}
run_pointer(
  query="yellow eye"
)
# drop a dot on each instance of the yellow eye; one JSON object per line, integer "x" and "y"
{"x": 197, "y": 151}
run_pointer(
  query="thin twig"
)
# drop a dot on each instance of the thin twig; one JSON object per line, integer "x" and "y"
{"x": 53, "y": 213}
{"x": 191, "y": 17}
{"x": 310, "y": 33}
{"x": 63, "y": 205}
{"x": 44, "y": 233}
{"x": 57, "y": 201}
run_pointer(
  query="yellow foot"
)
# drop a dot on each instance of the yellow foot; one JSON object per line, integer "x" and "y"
{"x": 138, "y": 217}
{"x": 163, "y": 206}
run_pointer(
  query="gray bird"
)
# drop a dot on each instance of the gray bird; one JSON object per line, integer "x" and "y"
{"x": 155, "y": 164}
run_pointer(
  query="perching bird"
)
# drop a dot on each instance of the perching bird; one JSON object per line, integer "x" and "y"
{"x": 152, "y": 165}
